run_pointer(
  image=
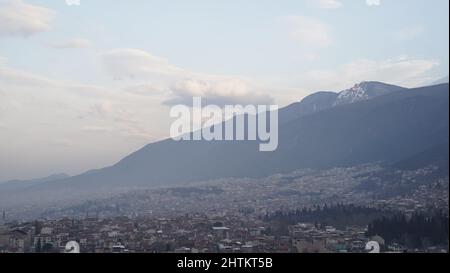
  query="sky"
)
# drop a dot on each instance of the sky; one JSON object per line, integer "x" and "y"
{"x": 85, "y": 83}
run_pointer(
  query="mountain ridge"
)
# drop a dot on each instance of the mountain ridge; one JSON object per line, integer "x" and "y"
{"x": 387, "y": 128}
{"x": 137, "y": 160}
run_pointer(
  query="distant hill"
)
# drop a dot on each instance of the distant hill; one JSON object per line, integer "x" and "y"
{"x": 22, "y": 184}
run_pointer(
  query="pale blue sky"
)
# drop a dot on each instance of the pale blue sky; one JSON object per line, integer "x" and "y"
{"x": 73, "y": 76}
{"x": 241, "y": 37}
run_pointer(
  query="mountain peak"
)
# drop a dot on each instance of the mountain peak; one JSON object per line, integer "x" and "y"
{"x": 324, "y": 100}
{"x": 357, "y": 93}
{"x": 364, "y": 91}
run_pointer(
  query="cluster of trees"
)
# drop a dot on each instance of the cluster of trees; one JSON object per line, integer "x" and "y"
{"x": 44, "y": 247}
{"x": 416, "y": 231}
{"x": 412, "y": 231}
{"x": 340, "y": 215}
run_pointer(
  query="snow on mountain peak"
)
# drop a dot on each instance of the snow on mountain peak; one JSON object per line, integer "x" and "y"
{"x": 354, "y": 94}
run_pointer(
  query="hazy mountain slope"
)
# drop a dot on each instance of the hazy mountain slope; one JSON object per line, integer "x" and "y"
{"x": 22, "y": 184}
{"x": 437, "y": 155}
{"x": 388, "y": 128}
{"x": 309, "y": 105}
{"x": 406, "y": 126}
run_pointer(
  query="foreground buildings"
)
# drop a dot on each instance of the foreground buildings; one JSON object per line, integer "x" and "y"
{"x": 186, "y": 234}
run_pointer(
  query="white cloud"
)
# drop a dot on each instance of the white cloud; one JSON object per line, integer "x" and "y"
{"x": 15, "y": 77}
{"x": 18, "y": 18}
{"x": 219, "y": 91}
{"x": 402, "y": 71}
{"x": 73, "y": 43}
{"x": 309, "y": 32}
{"x": 409, "y": 33}
{"x": 373, "y": 2}
{"x": 3, "y": 60}
{"x": 327, "y": 4}
{"x": 181, "y": 84}
{"x": 135, "y": 64}
{"x": 39, "y": 112}
{"x": 148, "y": 89}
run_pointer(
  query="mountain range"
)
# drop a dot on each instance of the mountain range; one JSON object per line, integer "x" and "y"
{"x": 370, "y": 122}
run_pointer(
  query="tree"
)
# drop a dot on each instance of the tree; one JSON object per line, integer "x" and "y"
{"x": 38, "y": 246}
{"x": 48, "y": 248}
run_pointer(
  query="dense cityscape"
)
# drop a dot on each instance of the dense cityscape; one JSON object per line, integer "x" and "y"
{"x": 190, "y": 234}
{"x": 327, "y": 211}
